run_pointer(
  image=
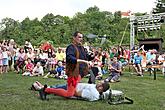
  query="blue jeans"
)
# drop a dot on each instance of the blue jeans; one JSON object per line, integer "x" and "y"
{"x": 61, "y": 86}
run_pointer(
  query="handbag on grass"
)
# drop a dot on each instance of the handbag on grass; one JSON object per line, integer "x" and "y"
{"x": 114, "y": 97}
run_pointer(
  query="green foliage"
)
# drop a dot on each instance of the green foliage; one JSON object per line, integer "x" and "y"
{"x": 107, "y": 44}
{"x": 59, "y": 29}
{"x": 160, "y": 8}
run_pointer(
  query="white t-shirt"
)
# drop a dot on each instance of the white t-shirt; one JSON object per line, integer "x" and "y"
{"x": 30, "y": 55}
{"x": 89, "y": 91}
{"x": 5, "y": 54}
{"x": 43, "y": 56}
{"x": 38, "y": 70}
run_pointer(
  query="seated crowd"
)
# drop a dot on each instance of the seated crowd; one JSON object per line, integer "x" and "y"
{"x": 141, "y": 60}
{"x": 50, "y": 62}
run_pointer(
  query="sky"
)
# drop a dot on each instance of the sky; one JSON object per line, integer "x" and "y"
{"x": 20, "y": 9}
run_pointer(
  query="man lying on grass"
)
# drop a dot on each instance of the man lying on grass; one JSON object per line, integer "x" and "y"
{"x": 90, "y": 92}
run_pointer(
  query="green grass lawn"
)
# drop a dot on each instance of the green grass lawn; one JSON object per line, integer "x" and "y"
{"x": 148, "y": 94}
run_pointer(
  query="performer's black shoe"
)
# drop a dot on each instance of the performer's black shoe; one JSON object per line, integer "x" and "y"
{"x": 42, "y": 93}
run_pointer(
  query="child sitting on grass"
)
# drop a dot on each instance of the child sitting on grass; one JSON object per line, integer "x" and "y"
{"x": 38, "y": 70}
{"x": 28, "y": 68}
{"x": 59, "y": 72}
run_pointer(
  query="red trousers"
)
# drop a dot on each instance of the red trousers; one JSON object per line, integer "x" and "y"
{"x": 71, "y": 88}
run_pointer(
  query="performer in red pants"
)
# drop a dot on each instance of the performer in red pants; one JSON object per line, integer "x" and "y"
{"x": 77, "y": 60}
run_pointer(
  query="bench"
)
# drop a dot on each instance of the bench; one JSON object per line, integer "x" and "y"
{"x": 155, "y": 66}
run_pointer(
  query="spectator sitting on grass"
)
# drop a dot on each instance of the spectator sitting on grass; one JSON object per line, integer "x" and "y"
{"x": 38, "y": 70}
{"x": 29, "y": 68}
{"x": 59, "y": 72}
{"x": 115, "y": 70}
{"x": 95, "y": 73}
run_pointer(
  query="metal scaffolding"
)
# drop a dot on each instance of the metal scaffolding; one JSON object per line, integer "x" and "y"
{"x": 143, "y": 23}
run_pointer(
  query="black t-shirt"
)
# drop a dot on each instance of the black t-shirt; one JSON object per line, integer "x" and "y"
{"x": 95, "y": 70}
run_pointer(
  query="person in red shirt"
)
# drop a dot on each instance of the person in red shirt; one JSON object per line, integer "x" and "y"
{"x": 29, "y": 68}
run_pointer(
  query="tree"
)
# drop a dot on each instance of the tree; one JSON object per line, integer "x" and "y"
{"x": 160, "y": 6}
{"x": 59, "y": 29}
{"x": 10, "y": 28}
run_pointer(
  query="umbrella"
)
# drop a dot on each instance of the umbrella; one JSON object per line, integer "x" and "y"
{"x": 91, "y": 36}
